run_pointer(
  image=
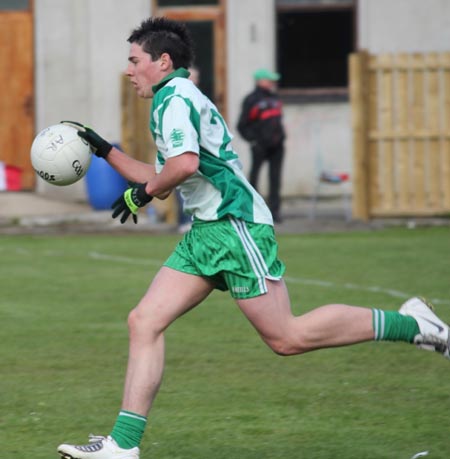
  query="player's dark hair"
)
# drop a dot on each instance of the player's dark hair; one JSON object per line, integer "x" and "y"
{"x": 158, "y": 35}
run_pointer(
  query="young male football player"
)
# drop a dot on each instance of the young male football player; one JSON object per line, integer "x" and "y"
{"x": 231, "y": 245}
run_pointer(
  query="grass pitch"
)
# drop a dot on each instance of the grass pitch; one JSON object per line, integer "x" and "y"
{"x": 63, "y": 308}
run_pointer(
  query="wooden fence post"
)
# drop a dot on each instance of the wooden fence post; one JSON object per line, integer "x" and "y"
{"x": 401, "y": 139}
{"x": 445, "y": 136}
{"x": 358, "y": 69}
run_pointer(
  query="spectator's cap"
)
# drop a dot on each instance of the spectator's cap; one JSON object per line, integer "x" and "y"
{"x": 264, "y": 74}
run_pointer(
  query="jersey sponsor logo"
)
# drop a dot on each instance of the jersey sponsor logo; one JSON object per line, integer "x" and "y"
{"x": 177, "y": 137}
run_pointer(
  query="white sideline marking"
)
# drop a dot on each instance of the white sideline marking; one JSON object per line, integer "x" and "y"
{"x": 290, "y": 280}
{"x": 120, "y": 259}
{"x": 362, "y": 288}
{"x": 423, "y": 453}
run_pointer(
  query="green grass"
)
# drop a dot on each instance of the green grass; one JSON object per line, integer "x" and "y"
{"x": 225, "y": 395}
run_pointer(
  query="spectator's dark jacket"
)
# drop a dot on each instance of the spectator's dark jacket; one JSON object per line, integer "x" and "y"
{"x": 260, "y": 121}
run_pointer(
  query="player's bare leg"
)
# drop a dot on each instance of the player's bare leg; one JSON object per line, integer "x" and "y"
{"x": 340, "y": 325}
{"x": 327, "y": 326}
{"x": 171, "y": 294}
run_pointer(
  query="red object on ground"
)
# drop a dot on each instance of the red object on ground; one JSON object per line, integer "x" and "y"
{"x": 10, "y": 177}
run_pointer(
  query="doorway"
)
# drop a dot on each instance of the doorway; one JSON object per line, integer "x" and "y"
{"x": 205, "y": 20}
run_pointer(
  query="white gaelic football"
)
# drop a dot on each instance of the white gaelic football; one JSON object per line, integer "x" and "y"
{"x": 60, "y": 156}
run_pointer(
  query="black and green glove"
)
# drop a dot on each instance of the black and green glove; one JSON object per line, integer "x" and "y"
{"x": 130, "y": 202}
{"x": 99, "y": 146}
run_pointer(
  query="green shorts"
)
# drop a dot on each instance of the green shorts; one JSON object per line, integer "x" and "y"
{"x": 235, "y": 255}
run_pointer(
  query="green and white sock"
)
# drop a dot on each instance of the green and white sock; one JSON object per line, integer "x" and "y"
{"x": 128, "y": 429}
{"x": 393, "y": 326}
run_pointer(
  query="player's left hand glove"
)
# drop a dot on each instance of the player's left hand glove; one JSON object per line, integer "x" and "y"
{"x": 100, "y": 147}
{"x": 130, "y": 202}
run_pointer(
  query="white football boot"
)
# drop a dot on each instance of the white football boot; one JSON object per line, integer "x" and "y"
{"x": 434, "y": 334}
{"x": 98, "y": 448}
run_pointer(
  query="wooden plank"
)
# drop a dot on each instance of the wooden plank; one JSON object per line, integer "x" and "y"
{"x": 445, "y": 142}
{"x": 407, "y": 65}
{"x": 126, "y": 131}
{"x": 373, "y": 182}
{"x": 432, "y": 120}
{"x": 445, "y": 161}
{"x": 386, "y": 158}
{"x": 358, "y": 88}
{"x": 403, "y": 173}
{"x": 146, "y": 148}
{"x": 399, "y": 135}
{"x": 136, "y": 137}
{"x": 417, "y": 124}
{"x": 412, "y": 212}
{"x": 407, "y": 162}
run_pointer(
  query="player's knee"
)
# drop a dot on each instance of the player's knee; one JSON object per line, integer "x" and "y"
{"x": 286, "y": 347}
{"x": 140, "y": 323}
{"x": 133, "y": 321}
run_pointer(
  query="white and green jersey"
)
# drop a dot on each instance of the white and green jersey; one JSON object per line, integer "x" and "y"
{"x": 185, "y": 120}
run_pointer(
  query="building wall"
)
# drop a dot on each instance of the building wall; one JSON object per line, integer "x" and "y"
{"x": 250, "y": 45}
{"x": 316, "y": 133}
{"x": 321, "y": 133}
{"x": 80, "y": 55}
{"x": 404, "y": 25}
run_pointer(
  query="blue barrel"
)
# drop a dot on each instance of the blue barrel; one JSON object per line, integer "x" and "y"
{"x": 104, "y": 185}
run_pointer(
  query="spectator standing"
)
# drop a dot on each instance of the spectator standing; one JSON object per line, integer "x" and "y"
{"x": 260, "y": 123}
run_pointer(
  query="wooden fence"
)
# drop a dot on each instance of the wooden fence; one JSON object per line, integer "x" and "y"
{"x": 401, "y": 134}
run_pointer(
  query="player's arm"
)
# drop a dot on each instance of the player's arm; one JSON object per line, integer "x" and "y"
{"x": 181, "y": 139}
{"x": 175, "y": 171}
{"x": 130, "y": 168}
{"x": 181, "y": 146}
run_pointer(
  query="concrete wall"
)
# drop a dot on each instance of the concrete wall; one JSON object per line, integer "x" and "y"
{"x": 404, "y": 25}
{"x": 316, "y": 133}
{"x": 321, "y": 133}
{"x": 319, "y": 138}
{"x": 81, "y": 51}
{"x": 250, "y": 45}
{"x": 80, "y": 54}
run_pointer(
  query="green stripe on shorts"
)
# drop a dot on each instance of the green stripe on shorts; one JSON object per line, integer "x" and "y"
{"x": 235, "y": 255}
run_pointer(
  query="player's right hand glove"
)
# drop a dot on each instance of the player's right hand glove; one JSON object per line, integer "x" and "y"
{"x": 130, "y": 202}
{"x": 99, "y": 146}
